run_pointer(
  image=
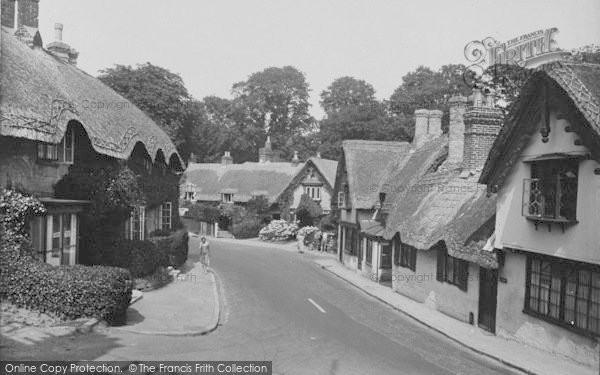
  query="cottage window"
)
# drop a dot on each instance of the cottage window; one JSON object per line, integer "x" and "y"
{"x": 314, "y": 192}
{"x": 60, "y": 243}
{"x": 565, "y": 293}
{"x": 165, "y": 216}
{"x": 451, "y": 270}
{"x": 62, "y": 152}
{"x": 227, "y": 197}
{"x": 551, "y": 192}
{"x": 189, "y": 195}
{"x": 369, "y": 252}
{"x": 137, "y": 223}
{"x": 408, "y": 257}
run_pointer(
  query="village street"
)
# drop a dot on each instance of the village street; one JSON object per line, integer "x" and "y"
{"x": 268, "y": 316}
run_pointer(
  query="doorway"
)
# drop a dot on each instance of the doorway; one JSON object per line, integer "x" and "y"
{"x": 488, "y": 290}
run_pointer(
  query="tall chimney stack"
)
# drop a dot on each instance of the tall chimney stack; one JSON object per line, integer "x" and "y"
{"x": 434, "y": 129}
{"x": 227, "y": 159}
{"x": 456, "y": 131}
{"x": 61, "y": 49}
{"x": 421, "y": 126}
{"x": 482, "y": 125}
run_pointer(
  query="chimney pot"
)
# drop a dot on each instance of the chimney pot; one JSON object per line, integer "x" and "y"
{"x": 58, "y": 29}
{"x": 226, "y": 159}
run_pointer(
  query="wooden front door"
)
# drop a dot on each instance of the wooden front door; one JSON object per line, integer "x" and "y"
{"x": 488, "y": 288}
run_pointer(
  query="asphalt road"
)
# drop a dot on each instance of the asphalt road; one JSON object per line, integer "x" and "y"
{"x": 281, "y": 307}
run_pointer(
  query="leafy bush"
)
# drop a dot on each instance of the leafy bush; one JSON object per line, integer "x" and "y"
{"x": 174, "y": 246}
{"x": 15, "y": 208}
{"x": 328, "y": 223}
{"x": 204, "y": 212}
{"x": 307, "y": 211}
{"x": 68, "y": 291}
{"x": 311, "y": 237}
{"x": 141, "y": 258}
{"x": 247, "y": 228}
{"x": 278, "y": 230}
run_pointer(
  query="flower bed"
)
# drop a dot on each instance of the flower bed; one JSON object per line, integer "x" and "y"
{"x": 278, "y": 230}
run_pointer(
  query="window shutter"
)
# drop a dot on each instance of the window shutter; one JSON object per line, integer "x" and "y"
{"x": 441, "y": 263}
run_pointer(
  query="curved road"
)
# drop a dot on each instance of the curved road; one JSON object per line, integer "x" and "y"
{"x": 268, "y": 316}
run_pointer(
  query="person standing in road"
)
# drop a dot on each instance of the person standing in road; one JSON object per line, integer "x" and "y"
{"x": 204, "y": 254}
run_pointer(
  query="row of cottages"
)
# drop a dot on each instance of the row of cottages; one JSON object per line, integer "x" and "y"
{"x": 54, "y": 116}
{"x": 494, "y": 223}
{"x": 282, "y": 183}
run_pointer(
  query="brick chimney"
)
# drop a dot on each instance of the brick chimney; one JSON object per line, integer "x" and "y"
{"x": 482, "y": 124}
{"x": 8, "y": 13}
{"x": 456, "y": 131}
{"x": 295, "y": 159}
{"x": 60, "y": 49}
{"x": 266, "y": 154}
{"x": 22, "y": 17}
{"x": 421, "y": 125}
{"x": 226, "y": 159}
{"x": 434, "y": 129}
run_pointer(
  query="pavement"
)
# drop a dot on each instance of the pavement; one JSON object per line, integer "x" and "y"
{"x": 187, "y": 306}
{"x": 524, "y": 358}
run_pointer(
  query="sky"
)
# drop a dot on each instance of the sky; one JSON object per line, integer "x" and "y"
{"x": 214, "y": 44}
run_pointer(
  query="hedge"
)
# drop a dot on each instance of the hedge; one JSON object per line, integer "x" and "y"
{"x": 141, "y": 258}
{"x": 174, "y": 246}
{"x": 67, "y": 291}
{"x": 245, "y": 229}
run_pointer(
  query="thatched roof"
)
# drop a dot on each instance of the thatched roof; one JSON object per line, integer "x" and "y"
{"x": 242, "y": 180}
{"x": 367, "y": 163}
{"x": 578, "y": 85}
{"x": 41, "y": 94}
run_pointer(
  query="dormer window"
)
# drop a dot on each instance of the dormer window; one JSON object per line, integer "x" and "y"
{"x": 62, "y": 152}
{"x": 227, "y": 197}
{"x": 551, "y": 192}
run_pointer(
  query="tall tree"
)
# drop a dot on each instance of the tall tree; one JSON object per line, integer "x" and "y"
{"x": 274, "y": 101}
{"x": 353, "y": 112}
{"x": 347, "y": 91}
{"x": 158, "y": 92}
{"x": 429, "y": 89}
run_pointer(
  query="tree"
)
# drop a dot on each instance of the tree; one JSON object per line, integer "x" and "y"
{"x": 345, "y": 92}
{"x": 273, "y": 102}
{"x": 429, "y": 89}
{"x": 158, "y": 92}
{"x": 307, "y": 211}
{"x": 353, "y": 112}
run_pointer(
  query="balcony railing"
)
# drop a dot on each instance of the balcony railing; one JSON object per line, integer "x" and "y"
{"x": 552, "y": 199}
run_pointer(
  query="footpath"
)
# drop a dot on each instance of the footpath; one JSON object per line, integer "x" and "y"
{"x": 187, "y": 306}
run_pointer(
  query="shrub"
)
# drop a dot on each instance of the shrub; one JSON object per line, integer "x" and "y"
{"x": 174, "y": 246}
{"x": 307, "y": 211}
{"x": 328, "y": 223}
{"x": 278, "y": 230}
{"x": 311, "y": 236}
{"x": 247, "y": 228}
{"x": 67, "y": 291}
{"x": 204, "y": 212}
{"x": 141, "y": 258}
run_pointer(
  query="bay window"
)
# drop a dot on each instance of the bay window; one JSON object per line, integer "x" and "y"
{"x": 565, "y": 293}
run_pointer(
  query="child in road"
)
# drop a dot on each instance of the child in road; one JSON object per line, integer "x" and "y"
{"x": 204, "y": 254}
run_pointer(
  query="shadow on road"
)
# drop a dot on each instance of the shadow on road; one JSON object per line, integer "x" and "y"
{"x": 61, "y": 348}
